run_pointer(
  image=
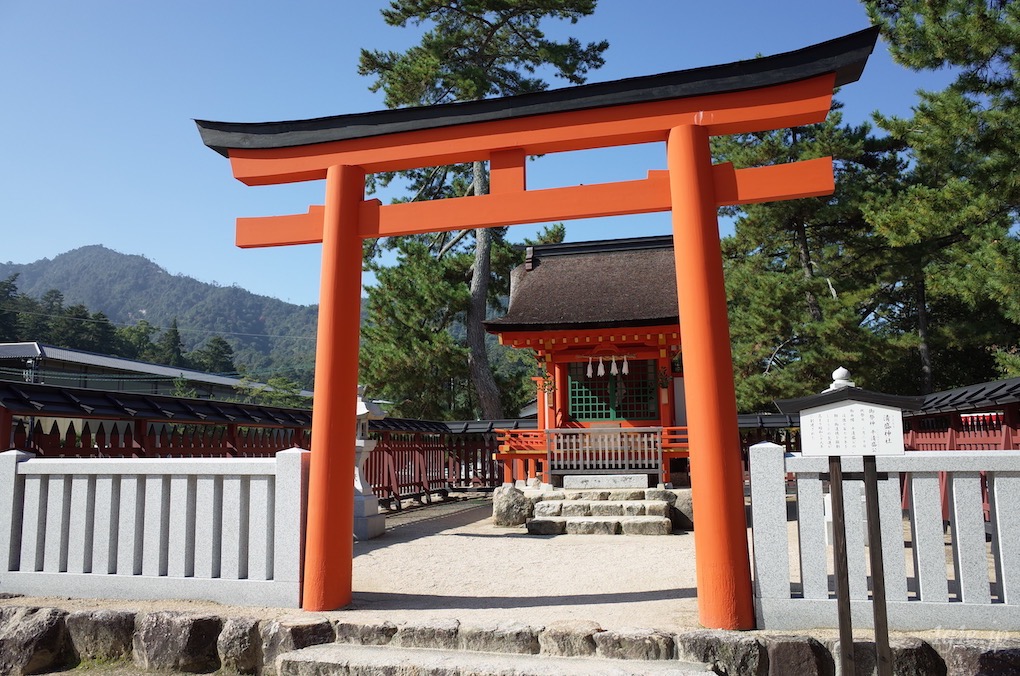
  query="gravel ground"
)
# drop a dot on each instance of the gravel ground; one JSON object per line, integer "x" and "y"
{"x": 455, "y": 563}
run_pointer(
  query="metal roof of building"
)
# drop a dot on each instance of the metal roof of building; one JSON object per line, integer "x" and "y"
{"x": 67, "y": 402}
{"x": 971, "y": 397}
{"x": 35, "y": 350}
{"x": 845, "y": 56}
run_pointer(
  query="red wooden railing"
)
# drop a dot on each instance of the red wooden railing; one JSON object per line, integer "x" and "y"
{"x": 416, "y": 464}
{"x": 525, "y": 454}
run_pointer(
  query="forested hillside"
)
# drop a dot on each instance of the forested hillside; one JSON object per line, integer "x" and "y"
{"x": 269, "y": 337}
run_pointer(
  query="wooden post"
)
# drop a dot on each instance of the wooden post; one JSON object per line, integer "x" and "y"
{"x": 883, "y": 653}
{"x": 6, "y": 429}
{"x": 720, "y": 534}
{"x": 846, "y": 633}
{"x": 329, "y": 545}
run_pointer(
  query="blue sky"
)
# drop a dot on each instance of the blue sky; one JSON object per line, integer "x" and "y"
{"x": 97, "y": 101}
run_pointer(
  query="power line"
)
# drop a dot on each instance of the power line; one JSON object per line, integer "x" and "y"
{"x": 158, "y": 328}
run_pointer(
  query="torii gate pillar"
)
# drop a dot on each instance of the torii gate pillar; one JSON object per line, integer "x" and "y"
{"x": 720, "y": 537}
{"x": 329, "y": 543}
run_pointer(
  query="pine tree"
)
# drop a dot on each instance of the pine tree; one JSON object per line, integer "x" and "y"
{"x": 475, "y": 49}
{"x": 9, "y": 309}
{"x": 803, "y": 276}
{"x": 950, "y": 218}
{"x": 169, "y": 349}
{"x": 216, "y": 356}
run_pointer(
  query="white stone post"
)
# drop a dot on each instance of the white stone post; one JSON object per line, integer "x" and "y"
{"x": 368, "y": 522}
{"x": 291, "y": 502}
{"x": 12, "y": 505}
{"x": 768, "y": 524}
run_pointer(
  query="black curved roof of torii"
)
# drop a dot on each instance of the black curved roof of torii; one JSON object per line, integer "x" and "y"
{"x": 844, "y": 56}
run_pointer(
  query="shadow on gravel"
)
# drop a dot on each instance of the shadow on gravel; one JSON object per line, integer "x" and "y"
{"x": 424, "y": 522}
{"x": 394, "y": 601}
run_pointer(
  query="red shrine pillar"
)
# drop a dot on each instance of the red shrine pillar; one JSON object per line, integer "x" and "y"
{"x": 717, "y": 491}
{"x": 329, "y": 534}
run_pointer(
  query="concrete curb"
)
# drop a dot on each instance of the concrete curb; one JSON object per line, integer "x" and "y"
{"x": 247, "y": 645}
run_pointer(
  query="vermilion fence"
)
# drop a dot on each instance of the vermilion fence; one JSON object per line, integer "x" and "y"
{"x": 415, "y": 463}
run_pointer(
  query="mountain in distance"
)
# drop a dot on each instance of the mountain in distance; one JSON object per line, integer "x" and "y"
{"x": 269, "y": 336}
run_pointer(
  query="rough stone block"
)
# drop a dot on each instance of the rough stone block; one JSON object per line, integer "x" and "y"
{"x": 101, "y": 634}
{"x": 548, "y": 508}
{"x": 504, "y": 637}
{"x": 576, "y": 495}
{"x": 667, "y": 496}
{"x": 627, "y": 494}
{"x": 239, "y": 645}
{"x": 592, "y": 526}
{"x": 569, "y": 638}
{"x": 605, "y": 481}
{"x": 580, "y": 508}
{"x": 547, "y": 527}
{"x": 291, "y": 633}
{"x": 683, "y": 509}
{"x": 433, "y": 633}
{"x": 510, "y": 507}
{"x": 169, "y": 641}
{"x": 647, "y": 525}
{"x": 801, "y": 655}
{"x": 634, "y": 644}
{"x": 726, "y": 652}
{"x": 365, "y": 634}
{"x": 33, "y": 640}
{"x": 606, "y": 509}
{"x": 864, "y": 655}
{"x": 914, "y": 657}
{"x": 657, "y": 508}
{"x": 979, "y": 656}
{"x": 633, "y": 508}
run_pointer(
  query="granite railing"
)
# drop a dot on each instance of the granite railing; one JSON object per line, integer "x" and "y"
{"x": 963, "y": 573}
{"x": 222, "y": 529}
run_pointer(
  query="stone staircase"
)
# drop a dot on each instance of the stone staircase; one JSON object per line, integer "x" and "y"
{"x": 608, "y": 511}
{"x": 367, "y": 660}
{"x": 445, "y": 647}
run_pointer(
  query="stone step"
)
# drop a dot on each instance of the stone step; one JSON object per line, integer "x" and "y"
{"x": 601, "y": 508}
{"x": 618, "y": 494}
{"x": 365, "y": 660}
{"x": 600, "y": 525}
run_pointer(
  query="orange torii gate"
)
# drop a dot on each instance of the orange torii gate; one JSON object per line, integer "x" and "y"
{"x": 682, "y": 108}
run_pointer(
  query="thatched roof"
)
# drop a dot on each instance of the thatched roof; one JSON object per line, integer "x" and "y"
{"x": 617, "y": 283}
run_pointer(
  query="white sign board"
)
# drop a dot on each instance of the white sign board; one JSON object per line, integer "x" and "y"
{"x": 851, "y": 428}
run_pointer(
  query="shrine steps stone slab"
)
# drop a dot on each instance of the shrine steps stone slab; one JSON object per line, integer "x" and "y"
{"x": 604, "y": 481}
{"x": 364, "y": 660}
{"x": 600, "y": 525}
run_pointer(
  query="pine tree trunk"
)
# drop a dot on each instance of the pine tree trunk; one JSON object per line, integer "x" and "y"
{"x": 478, "y": 359}
{"x": 813, "y": 307}
{"x": 921, "y": 301}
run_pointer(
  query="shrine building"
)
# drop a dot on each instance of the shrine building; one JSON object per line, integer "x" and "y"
{"x": 602, "y": 319}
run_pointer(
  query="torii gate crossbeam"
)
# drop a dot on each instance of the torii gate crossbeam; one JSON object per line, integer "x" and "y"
{"x": 683, "y": 109}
